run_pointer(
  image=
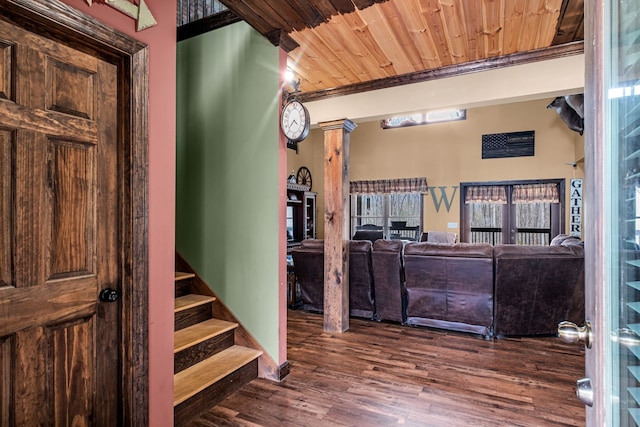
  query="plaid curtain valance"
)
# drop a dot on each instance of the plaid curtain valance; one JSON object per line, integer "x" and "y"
{"x": 536, "y": 193}
{"x": 525, "y": 193}
{"x": 387, "y": 186}
{"x": 486, "y": 194}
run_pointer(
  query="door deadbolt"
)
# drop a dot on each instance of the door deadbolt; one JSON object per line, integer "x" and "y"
{"x": 584, "y": 391}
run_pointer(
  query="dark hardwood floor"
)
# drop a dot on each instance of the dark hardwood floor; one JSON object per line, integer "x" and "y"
{"x": 383, "y": 374}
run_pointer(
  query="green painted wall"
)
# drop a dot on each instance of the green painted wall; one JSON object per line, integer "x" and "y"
{"x": 227, "y": 171}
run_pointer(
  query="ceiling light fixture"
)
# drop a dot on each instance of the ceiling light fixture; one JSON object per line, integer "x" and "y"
{"x": 288, "y": 75}
{"x": 417, "y": 119}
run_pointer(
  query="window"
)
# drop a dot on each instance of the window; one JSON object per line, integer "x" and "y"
{"x": 517, "y": 212}
{"x": 393, "y": 206}
{"x": 398, "y": 215}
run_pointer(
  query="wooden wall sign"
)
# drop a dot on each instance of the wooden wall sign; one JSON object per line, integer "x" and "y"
{"x": 512, "y": 144}
{"x": 576, "y": 208}
{"x": 140, "y": 13}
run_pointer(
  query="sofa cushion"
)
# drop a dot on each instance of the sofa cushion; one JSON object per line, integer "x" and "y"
{"x": 308, "y": 264}
{"x": 388, "y": 245}
{"x": 388, "y": 280}
{"x": 566, "y": 240}
{"x": 371, "y": 235}
{"x": 312, "y": 243}
{"x": 466, "y": 250}
{"x": 450, "y": 286}
{"x": 536, "y": 287}
{"x": 361, "y": 295}
{"x": 523, "y": 251}
{"x": 360, "y": 246}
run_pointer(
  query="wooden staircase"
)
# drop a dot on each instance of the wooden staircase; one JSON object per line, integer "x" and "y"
{"x": 208, "y": 365}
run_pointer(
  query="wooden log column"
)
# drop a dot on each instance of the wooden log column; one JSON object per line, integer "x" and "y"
{"x": 336, "y": 224}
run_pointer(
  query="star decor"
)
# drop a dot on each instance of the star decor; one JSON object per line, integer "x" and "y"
{"x": 140, "y": 13}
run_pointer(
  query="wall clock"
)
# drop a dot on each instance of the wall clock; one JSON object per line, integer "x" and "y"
{"x": 295, "y": 121}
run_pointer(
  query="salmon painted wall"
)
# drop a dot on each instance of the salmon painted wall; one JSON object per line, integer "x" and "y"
{"x": 161, "y": 40}
{"x": 450, "y": 153}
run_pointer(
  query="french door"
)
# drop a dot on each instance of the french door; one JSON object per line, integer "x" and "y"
{"x": 514, "y": 212}
{"x": 611, "y": 387}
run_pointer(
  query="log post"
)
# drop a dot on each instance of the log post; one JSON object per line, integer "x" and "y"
{"x": 336, "y": 224}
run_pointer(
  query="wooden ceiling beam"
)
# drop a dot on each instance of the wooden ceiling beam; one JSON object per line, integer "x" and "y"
{"x": 343, "y": 6}
{"x": 553, "y": 52}
{"x": 244, "y": 9}
{"x": 325, "y": 8}
{"x": 570, "y": 22}
{"x": 309, "y": 13}
{"x": 207, "y": 24}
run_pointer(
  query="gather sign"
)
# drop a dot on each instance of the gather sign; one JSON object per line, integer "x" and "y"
{"x": 575, "y": 207}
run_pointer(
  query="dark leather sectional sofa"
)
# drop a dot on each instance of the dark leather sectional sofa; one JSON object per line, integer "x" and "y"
{"x": 450, "y": 286}
{"x": 308, "y": 261}
{"x": 497, "y": 290}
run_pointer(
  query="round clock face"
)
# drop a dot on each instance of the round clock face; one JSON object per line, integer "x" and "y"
{"x": 295, "y": 121}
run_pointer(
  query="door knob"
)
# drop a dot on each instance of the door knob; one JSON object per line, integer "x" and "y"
{"x": 108, "y": 295}
{"x": 584, "y": 391}
{"x": 571, "y": 333}
{"x": 626, "y": 337}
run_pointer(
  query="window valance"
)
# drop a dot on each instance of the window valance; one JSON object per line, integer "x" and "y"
{"x": 387, "y": 186}
{"x": 494, "y": 194}
{"x": 536, "y": 193}
{"x": 525, "y": 193}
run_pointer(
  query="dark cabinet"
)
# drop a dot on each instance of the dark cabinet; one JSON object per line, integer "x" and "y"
{"x": 301, "y": 213}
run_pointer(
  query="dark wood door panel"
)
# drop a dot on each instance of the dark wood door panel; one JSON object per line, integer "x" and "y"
{"x": 22, "y": 308}
{"x": 6, "y": 60}
{"x": 6, "y": 225}
{"x": 70, "y": 372}
{"x": 29, "y": 194}
{"x": 55, "y": 124}
{"x": 59, "y": 205}
{"x": 53, "y": 365}
{"x": 71, "y": 197}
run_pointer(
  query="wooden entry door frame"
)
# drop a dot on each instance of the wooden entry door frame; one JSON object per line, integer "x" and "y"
{"x": 60, "y": 22}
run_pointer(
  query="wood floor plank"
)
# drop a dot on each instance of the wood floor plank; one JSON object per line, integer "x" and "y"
{"x": 382, "y": 374}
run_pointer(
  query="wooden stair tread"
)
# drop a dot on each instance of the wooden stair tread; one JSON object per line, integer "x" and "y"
{"x": 191, "y": 300}
{"x": 183, "y": 276}
{"x": 200, "y": 332}
{"x": 198, "y": 377}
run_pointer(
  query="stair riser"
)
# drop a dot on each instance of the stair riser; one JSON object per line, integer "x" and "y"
{"x": 215, "y": 393}
{"x": 183, "y": 287}
{"x": 197, "y": 353}
{"x": 192, "y": 316}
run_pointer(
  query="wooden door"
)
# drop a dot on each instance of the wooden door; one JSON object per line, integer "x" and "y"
{"x": 59, "y": 345}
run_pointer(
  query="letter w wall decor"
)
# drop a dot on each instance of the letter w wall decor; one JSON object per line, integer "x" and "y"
{"x": 437, "y": 202}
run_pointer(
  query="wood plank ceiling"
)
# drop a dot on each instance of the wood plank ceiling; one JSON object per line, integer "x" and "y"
{"x": 340, "y": 46}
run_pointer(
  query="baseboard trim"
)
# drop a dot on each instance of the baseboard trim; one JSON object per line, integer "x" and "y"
{"x": 284, "y": 370}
